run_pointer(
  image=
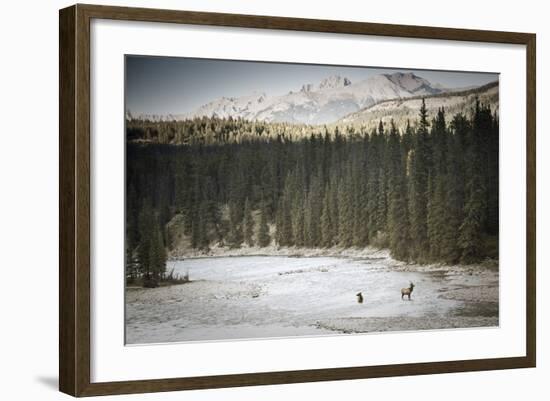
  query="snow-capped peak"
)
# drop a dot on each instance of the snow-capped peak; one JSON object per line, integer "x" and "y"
{"x": 411, "y": 82}
{"x": 328, "y": 101}
{"x": 333, "y": 82}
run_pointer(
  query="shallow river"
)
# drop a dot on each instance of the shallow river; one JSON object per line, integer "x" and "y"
{"x": 276, "y": 296}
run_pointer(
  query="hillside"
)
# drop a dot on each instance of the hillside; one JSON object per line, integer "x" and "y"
{"x": 401, "y": 110}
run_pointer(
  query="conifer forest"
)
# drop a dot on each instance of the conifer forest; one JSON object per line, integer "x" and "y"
{"x": 427, "y": 191}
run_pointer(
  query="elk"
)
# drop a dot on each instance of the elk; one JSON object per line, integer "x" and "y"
{"x": 407, "y": 291}
{"x": 359, "y": 297}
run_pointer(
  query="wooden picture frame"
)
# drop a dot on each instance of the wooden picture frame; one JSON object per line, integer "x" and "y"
{"x": 74, "y": 203}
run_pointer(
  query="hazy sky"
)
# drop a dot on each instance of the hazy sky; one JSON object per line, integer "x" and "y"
{"x": 173, "y": 85}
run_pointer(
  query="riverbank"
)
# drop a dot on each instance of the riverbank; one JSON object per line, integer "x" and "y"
{"x": 273, "y": 250}
{"x": 368, "y": 252}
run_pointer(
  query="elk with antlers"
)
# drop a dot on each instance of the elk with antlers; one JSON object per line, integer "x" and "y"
{"x": 407, "y": 291}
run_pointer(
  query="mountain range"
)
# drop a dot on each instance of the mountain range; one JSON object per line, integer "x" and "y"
{"x": 328, "y": 101}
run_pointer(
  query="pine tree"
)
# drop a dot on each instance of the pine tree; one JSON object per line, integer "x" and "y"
{"x": 418, "y": 188}
{"x": 279, "y": 235}
{"x": 407, "y": 139}
{"x": 312, "y": 214}
{"x": 296, "y": 192}
{"x": 157, "y": 255}
{"x": 439, "y": 143}
{"x": 437, "y": 201}
{"x": 286, "y": 213}
{"x": 263, "y": 231}
{"x": 235, "y": 235}
{"x": 130, "y": 265}
{"x": 248, "y": 224}
{"x": 372, "y": 167}
{"x": 151, "y": 251}
{"x": 361, "y": 228}
{"x": 333, "y": 207}
{"x": 493, "y": 178}
{"x": 146, "y": 223}
{"x": 211, "y": 213}
{"x": 454, "y": 194}
{"x": 382, "y": 191}
{"x": 191, "y": 198}
{"x": 201, "y": 236}
{"x": 327, "y": 226}
{"x": 436, "y": 215}
{"x": 298, "y": 220}
{"x": 475, "y": 210}
{"x": 398, "y": 216}
{"x": 345, "y": 211}
{"x": 470, "y": 239}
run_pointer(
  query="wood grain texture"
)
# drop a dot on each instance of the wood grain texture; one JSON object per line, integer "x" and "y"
{"x": 301, "y": 376}
{"x": 82, "y": 199}
{"x": 74, "y": 199}
{"x": 74, "y": 205}
{"x": 300, "y": 24}
{"x": 531, "y": 229}
{"x": 67, "y": 131}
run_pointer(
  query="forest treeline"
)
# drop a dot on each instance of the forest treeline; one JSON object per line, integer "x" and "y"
{"x": 428, "y": 192}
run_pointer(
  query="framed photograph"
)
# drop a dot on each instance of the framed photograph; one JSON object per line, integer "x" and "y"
{"x": 251, "y": 200}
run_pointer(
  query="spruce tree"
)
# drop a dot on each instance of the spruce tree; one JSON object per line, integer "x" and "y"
{"x": 361, "y": 227}
{"x": 361, "y": 219}
{"x": 437, "y": 200}
{"x": 492, "y": 173}
{"x": 296, "y": 188}
{"x": 470, "y": 239}
{"x": 418, "y": 188}
{"x": 298, "y": 219}
{"x": 195, "y": 230}
{"x": 279, "y": 239}
{"x": 286, "y": 213}
{"x": 151, "y": 250}
{"x": 327, "y": 226}
{"x": 312, "y": 213}
{"x": 130, "y": 266}
{"x": 146, "y": 223}
{"x": 454, "y": 194}
{"x": 202, "y": 237}
{"x": 436, "y": 215}
{"x": 263, "y": 231}
{"x": 398, "y": 216}
{"x": 372, "y": 187}
{"x": 248, "y": 224}
{"x": 345, "y": 210}
{"x": 333, "y": 206}
{"x": 157, "y": 255}
{"x": 475, "y": 210}
{"x": 235, "y": 235}
{"x": 382, "y": 191}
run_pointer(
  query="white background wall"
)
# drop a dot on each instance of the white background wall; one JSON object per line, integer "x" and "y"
{"x": 29, "y": 185}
